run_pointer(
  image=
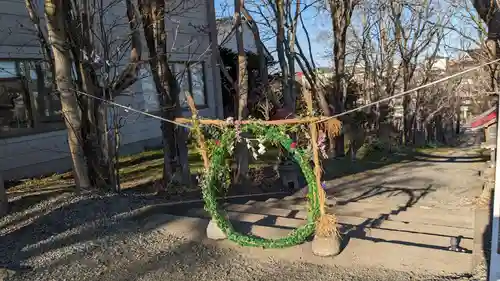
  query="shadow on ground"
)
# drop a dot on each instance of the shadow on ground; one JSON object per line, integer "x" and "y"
{"x": 335, "y": 168}
{"x": 360, "y": 231}
{"x": 185, "y": 260}
{"x": 68, "y": 220}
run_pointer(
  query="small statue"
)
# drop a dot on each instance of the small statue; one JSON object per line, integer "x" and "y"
{"x": 455, "y": 244}
{"x": 289, "y": 175}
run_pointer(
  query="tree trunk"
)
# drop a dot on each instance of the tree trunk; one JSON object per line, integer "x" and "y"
{"x": 55, "y": 14}
{"x": 341, "y": 12}
{"x": 94, "y": 120}
{"x": 263, "y": 71}
{"x": 242, "y": 153}
{"x": 167, "y": 87}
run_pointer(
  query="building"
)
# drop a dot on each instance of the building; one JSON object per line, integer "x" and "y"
{"x": 228, "y": 50}
{"x": 33, "y": 139}
{"x": 226, "y": 36}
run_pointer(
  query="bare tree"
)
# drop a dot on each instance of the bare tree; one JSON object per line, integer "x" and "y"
{"x": 264, "y": 73}
{"x": 281, "y": 21}
{"x": 73, "y": 30}
{"x": 377, "y": 51}
{"x": 414, "y": 36}
{"x": 56, "y": 14}
{"x": 175, "y": 150}
{"x": 341, "y": 13}
{"x": 395, "y": 53}
{"x": 481, "y": 32}
{"x": 242, "y": 154}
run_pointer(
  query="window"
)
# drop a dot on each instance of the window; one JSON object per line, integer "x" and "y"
{"x": 191, "y": 79}
{"x": 149, "y": 93}
{"x": 27, "y": 102}
{"x": 8, "y": 69}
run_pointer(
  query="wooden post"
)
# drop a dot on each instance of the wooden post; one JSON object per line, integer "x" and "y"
{"x": 213, "y": 230}
{"x": 199, "y": 134}
{"x": 482, "y": 227}
{"x": 320, "y": 246}
{"x": 314, "y": 143}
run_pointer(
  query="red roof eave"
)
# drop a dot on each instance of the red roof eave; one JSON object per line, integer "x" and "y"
{"x": 484, "y": 120}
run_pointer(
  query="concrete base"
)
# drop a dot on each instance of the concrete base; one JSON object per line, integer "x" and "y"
{"x": 326, "y": 246}
{"x": 214, "y": 232}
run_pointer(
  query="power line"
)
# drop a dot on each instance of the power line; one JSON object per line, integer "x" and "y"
{"x": 409, "y": 91}
{"x": 135, "y": 110}
{"x": 323, "y": 119}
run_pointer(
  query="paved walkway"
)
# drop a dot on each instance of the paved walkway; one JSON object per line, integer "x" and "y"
{"x": 449, "y": 178}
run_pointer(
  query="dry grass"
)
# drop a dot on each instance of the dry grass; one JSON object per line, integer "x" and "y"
{"x": 332, "y": 127}
{"x": 326, "y": 226}
{"x": 135, "y": 170}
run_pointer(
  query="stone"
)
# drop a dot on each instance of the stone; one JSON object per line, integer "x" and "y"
{"x": 326, "y": 246}
{"x": 289, "y": 175}
{"x": 214, "y": 232}
{"x": 6, "y": 273}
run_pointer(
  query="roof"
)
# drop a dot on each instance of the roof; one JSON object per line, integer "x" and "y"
{"x": 225, "y": 30}
{"x": 485, "y": 119}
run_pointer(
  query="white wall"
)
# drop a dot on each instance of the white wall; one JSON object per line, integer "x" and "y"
{"x": 37, "y": 154}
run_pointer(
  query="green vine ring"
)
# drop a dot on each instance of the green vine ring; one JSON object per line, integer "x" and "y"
{"x": 219, "y": 169}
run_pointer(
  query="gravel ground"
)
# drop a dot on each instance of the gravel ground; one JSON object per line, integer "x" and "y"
{"x": 97, "y": 237}
{"x": 158, "y": 257}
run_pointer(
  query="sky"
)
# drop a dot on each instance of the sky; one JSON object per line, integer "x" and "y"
{"x": 319, "y": 27}
{"x": 311, "y": 18}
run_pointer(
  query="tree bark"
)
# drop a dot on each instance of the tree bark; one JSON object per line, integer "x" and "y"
{"x": 341, "y": 12}
{"x": 280, "y": 47}
{"x": 264, "y": 75}
{"x": 242, "y": 154}
{"x": 167, "y": 87}
{"x": 55, "y": 14}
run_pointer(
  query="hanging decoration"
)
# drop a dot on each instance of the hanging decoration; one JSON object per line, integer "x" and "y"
{"x": 211, "y": 183}
{"x": 274, "y": 132}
